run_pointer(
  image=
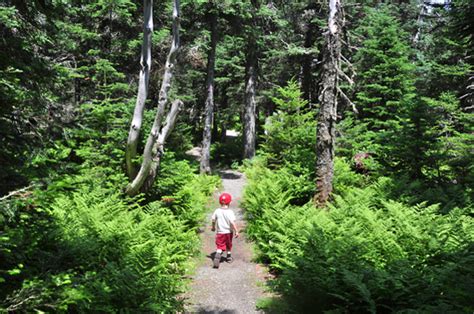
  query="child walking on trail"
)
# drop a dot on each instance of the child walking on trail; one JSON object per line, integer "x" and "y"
{"x": 223, "y": 222}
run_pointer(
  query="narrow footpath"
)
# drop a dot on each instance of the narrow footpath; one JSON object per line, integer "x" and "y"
{"x": 234, "y": 287}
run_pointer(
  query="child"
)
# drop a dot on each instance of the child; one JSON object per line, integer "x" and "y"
{"x": 223, "y": 222}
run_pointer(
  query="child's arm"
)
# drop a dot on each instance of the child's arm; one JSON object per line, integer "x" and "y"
{"x": 213, "y": 220}
{"x": 235, "y": 229}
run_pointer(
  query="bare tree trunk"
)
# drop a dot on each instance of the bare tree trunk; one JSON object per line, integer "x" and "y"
{"x": 419, "y": 23}
{"x": 145, "y": 62}
{"x": 223, "y": 106}
{"x": 250, "y": 110}
{"x": 326, "y": 129}
{"x": 158, "y": 146}
{"x": 154, "y": 145}
{"x": 250, "y": 104}
{"x": 209, "y": 107}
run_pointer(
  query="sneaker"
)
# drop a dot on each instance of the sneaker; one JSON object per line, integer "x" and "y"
{"x": 217, "y": 260}
{"x": 229, "y": 259}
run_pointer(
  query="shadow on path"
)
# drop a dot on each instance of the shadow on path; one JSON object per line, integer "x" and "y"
{"x": 213, "y": 254}
{"x": 215, "y": 310}
{"x": 227, "y": 175}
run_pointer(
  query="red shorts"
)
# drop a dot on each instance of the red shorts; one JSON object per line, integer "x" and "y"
{"x": 224, "y": 241}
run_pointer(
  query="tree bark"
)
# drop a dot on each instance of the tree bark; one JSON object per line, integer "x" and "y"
{"x": 144, "y": 78}
{"x": 223, "y": 105}
{"x": 154, "y": 145}
{"x": 205, "y": 166}
{"x": 158, "y": 146}
{"x": 250, "y": 115}
{"x": 419, "y": 23}
{"x": 326, "y": 129}
{"x": 250, "y": 104}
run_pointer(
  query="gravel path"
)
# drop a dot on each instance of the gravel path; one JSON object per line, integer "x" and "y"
{"x": 235, "y": 287}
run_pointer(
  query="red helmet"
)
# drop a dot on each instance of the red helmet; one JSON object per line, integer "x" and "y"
{"x": 225, "y": 198}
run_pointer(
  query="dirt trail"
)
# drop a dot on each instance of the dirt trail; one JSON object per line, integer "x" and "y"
{"x": 235, "y": 287}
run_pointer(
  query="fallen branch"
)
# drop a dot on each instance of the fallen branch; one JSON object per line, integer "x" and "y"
{"x": 16, "y": 192}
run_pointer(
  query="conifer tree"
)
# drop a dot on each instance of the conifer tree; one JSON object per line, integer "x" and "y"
{"x": 385, "y": 83}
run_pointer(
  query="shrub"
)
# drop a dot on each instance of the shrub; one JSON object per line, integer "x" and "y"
{"x": 91, "y": 249}
{"x": 274, "y": 222}
{"x": 189, "y": 203}
{"x": 372, "y": 255}
{"x": 109, "y": 255}
{"x": 365, "y": 253}
{"x": 344, "y": 177}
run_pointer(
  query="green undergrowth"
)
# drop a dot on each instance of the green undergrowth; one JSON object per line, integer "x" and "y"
{"x": 274, "y": 305}
{"x": 82, "y": 246}
{"x": 365, "y": 252}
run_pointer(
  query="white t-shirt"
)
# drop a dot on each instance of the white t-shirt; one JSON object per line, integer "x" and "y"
{"x": 223, "y": 217}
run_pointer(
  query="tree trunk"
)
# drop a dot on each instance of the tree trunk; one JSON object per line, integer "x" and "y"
{"x": 326, "y": 129}
{"x": 154, "y": 145}
{"x": 209, "y": 106}
{"x": 419, "y": 23}
{"x": 158, "y": 146}
{"x": 223, "y": 117}
{"x": 145, "y": 62}
{"x": 306, "y": 71}
{"x": 250, "y": 114}
{"x": 250, "y": 104}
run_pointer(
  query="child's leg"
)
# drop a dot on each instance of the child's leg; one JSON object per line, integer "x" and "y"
{"x": 229, "y": 247}
{"x": 228, "y": 241}
{"x": 221, "y": 242}
{"x": 220, "y": 246}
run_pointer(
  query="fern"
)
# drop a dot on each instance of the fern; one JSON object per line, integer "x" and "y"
{"x": 112, "y": 254}
{"x": 366, "y": 253}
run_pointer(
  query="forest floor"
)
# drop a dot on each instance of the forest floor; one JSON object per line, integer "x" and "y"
{"x": 234, "y": 287}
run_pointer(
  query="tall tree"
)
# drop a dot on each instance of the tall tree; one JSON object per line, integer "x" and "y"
{"x": 209, "y": 106}
{"x": 250, "y": 114}
{"x": 159, "y": 133}
{"x": 326, "y": 128}
{"x": 384, "y": 85}
{"x": 144, "y": 79}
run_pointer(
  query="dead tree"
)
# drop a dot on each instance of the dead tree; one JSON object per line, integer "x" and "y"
{"x": 144, "y": 79}
{"x": 205, "y": 166}
{"x": 250, "y": 109}
{"x": 326, "y": 128}
{"x": 158, "y": 134}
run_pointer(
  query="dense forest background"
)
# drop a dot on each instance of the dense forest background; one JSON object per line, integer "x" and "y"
{"x": 397, "y": 233}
